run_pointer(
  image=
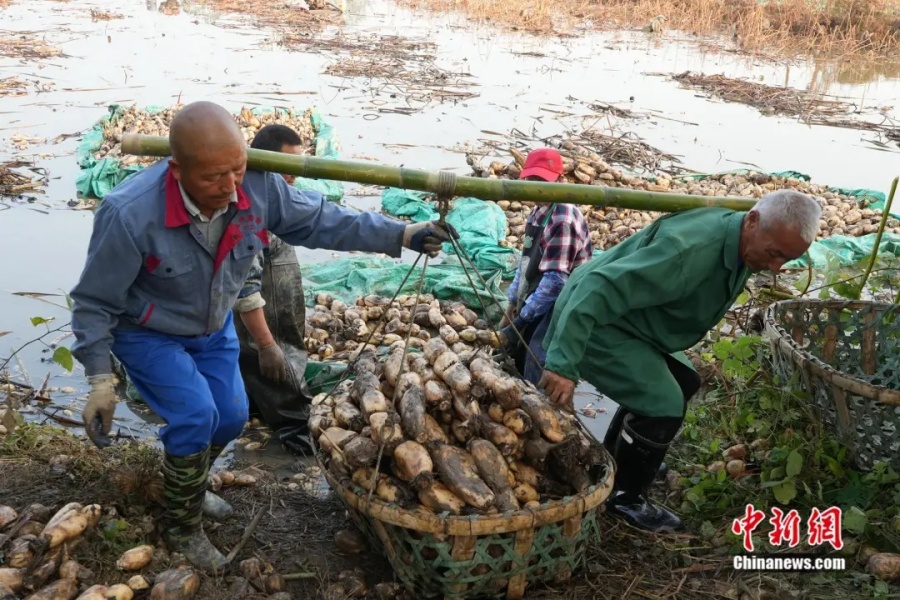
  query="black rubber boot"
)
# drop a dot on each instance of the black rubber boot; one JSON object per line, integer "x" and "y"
{"x": 638, "y": 461}
{"x": 296, "y": 440}
{"x": 612, "y": 435}
{"x": 185, "y": 481}
{"x": 214, "y": 506}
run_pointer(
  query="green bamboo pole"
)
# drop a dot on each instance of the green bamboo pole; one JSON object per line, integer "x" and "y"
{"x": 427, "y": 181}
{"x": 874, "y": 257}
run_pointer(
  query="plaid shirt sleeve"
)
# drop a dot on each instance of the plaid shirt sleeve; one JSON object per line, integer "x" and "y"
{"x": 566, "y": 242}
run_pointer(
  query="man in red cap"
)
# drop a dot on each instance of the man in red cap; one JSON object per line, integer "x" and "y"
{"x": 557, "y": 240}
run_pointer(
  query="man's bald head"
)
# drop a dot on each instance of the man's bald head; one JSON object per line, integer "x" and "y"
{"x": 201, "y": 127}
{"x": 209, "y": 154}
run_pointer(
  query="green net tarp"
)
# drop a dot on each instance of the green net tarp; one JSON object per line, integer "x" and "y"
{"x": 321, "y": 377}
{"x": 846, "y": 251}
{"x": 98, "y": 177}
{"x": 481, "y": 225}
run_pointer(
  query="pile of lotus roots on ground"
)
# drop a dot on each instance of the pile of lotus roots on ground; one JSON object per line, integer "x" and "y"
{"x": 450, "y": 432}
{"x": 37, "y": 563}
{"x": 38, "y": 545}
{"x": 137, "y": 120}
{"x": 843, "y": 215}
{"x": 335, "y": 329}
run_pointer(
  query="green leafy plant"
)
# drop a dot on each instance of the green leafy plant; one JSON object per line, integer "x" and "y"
{"x": 738, "y": 356}
{"x": 792, "y": 460}
{"x": 61, "y": 355}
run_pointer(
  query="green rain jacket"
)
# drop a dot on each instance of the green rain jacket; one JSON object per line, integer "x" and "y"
{"x": 659, "y": 292}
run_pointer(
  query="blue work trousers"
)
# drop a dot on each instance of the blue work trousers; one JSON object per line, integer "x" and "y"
{"x": 193, "y": 383}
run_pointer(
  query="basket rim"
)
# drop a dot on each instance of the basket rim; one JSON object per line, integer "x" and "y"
{"x": 423, "y": 520}
{"x": 803, "y": 358}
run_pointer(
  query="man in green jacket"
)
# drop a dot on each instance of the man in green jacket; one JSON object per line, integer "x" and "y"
{"x": 624, "y": 319}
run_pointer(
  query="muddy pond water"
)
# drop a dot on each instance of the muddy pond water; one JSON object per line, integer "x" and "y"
{"x": 540, "y": 86}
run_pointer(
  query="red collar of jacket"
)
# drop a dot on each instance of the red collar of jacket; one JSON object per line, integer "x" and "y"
{"x": 177, "y": 214}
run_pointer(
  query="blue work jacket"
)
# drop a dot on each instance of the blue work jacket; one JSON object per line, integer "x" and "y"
{"x": 149, "y": 266}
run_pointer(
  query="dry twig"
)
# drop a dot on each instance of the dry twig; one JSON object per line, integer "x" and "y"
{"x": 810, "y": 108}
{"x": 14, "y": 183}
{"x": 389, "y": 65}
{"x": 26, "y": 45}
{"x": 248, "y": 533}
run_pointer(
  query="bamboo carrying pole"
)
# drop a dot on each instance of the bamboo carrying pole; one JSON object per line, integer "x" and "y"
{"x": 444, "y": 182}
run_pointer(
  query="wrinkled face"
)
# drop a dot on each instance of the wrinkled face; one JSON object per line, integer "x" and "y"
{"x": 290, "y": 150}
{"x": 211, "y": 177}
{"x": 768, "y": 249}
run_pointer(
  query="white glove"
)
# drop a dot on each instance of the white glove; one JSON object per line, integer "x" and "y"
{"x": 98, "y": 412}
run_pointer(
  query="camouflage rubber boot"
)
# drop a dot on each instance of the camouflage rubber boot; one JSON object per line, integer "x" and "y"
{"x": 214, "y": 506}
{"x": 185, "y": 481}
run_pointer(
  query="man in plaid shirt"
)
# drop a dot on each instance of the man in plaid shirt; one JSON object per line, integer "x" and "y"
{"x": 557, "y": 240}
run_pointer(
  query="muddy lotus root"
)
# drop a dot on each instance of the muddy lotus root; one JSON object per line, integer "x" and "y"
{"x": 447, "y": 432}
{"x": 336, "y": 330}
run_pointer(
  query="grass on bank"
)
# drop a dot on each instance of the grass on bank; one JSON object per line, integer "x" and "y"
{"x": 835, "y": 27}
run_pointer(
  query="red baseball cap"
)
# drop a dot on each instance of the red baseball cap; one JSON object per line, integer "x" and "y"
{"x": 545, "y": 163}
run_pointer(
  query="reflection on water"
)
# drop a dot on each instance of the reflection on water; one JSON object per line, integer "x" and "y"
{"x": 834, "y": 77}
{"x": 170, "y": 7}
{"x": 166, "y": 7}
{"x": 826, "y": 74}
{"x": 206, "y": 12}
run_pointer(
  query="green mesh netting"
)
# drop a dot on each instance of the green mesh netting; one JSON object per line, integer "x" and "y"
{"x": 481, "y": 225}
{"x": 847, "y": 356}
{"x": 846, "y": 250}
{"x": 321, "y": 377}
{"x": 98, "y": 177}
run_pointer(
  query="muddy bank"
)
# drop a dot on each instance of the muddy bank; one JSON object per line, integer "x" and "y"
{"x": 601, "y": 83}
{"x": 297, "y": 530}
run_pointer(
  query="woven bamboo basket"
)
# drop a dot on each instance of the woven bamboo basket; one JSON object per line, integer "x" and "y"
{"x": 847, "y": 356}
{"x": 480, "y": 556}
